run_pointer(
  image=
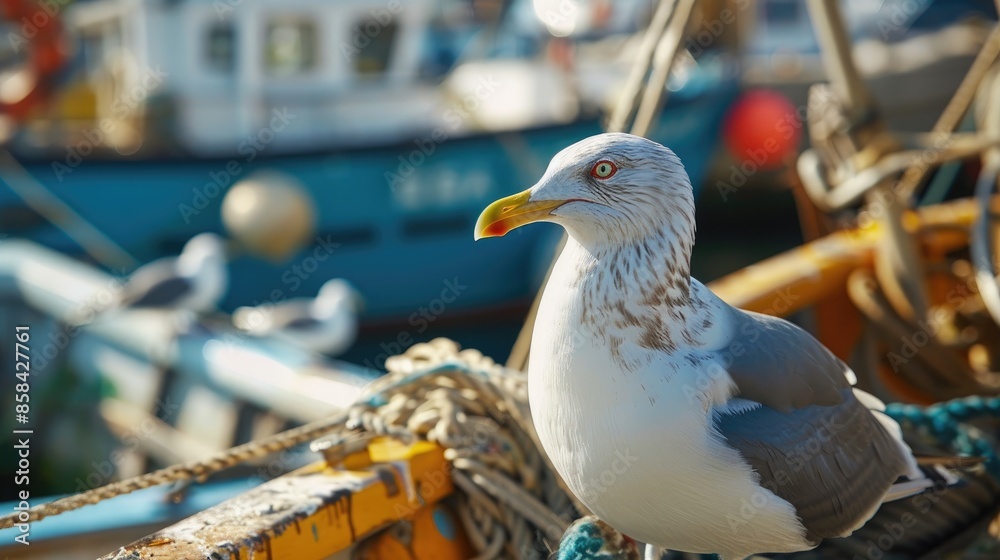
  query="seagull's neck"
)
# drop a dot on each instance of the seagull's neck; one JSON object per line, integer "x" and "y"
{"x": 655, "y": 266}
{"x": 641, "y": 291}
{"x": 190, "y": 266}
{"x": 208, "y": 276}
{"x": 327, "y": 307}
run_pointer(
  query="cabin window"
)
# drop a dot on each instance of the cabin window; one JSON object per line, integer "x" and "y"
{"x": 219, "y": 47}
{"x": 290, "y": 47}
{"x": 373, "y": 41}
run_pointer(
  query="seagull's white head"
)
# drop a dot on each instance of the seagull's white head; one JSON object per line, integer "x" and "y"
{"x": 201, "y": 252}
{"x": 609, "y": 189}
{"x": 335, "y": 295}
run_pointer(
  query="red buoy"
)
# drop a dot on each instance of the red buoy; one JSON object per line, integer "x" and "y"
{"x": 763, "y": 127}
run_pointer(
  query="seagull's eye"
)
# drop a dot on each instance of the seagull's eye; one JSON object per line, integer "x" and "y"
{"x": 603, "y": 169}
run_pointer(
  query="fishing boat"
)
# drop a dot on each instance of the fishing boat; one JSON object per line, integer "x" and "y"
{"x": 148, "y": 134}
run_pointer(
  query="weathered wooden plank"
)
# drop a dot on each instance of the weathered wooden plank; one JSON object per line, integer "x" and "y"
{"x": 311, "y": 513}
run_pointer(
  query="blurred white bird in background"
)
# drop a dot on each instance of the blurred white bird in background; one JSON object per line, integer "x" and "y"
{"x": 195, "y": 281}
{"x": 326, "y": 324}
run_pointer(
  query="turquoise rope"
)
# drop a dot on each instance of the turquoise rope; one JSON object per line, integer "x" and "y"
{"x": 944, "y": 422}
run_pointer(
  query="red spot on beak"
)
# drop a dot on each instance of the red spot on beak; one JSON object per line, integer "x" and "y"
{"x": 497, "y": 229}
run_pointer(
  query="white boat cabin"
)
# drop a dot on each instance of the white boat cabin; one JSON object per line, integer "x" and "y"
{"x": 212, "y": 75}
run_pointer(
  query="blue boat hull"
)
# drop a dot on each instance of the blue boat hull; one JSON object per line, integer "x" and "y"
{"x": 396, "y": 221}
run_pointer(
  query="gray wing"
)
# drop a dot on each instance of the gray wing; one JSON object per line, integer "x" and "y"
{"x": 302, "y": 323}
{"x": 833, "y": 463}
{"x": 163, "y": 293}
{"x": 292, "y": 314}
{"x": 781, "y": 366}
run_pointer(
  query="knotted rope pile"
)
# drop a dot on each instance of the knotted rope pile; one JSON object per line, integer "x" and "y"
{"x": 510, "y": 501}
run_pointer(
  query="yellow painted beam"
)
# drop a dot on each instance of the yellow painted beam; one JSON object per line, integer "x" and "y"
{"x": 805, "y": 275}
{"x": 311, "y": 513}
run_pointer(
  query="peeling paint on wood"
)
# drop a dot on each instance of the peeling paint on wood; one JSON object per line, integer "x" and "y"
{"x": 336, "y": 507}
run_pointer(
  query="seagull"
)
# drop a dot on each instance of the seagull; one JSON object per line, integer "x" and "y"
{"x": 195, "y": 281}
{"x": 681, "y": 421}
{"x": 326, "y": 324}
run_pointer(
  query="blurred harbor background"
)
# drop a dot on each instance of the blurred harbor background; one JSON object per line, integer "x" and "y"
{"x": 358, "y": 140}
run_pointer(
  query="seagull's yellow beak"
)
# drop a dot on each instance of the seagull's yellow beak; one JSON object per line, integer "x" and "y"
{"x": 512, "y": 212}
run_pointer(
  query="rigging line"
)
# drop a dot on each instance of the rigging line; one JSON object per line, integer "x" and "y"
{"x": 42, "y": 200}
